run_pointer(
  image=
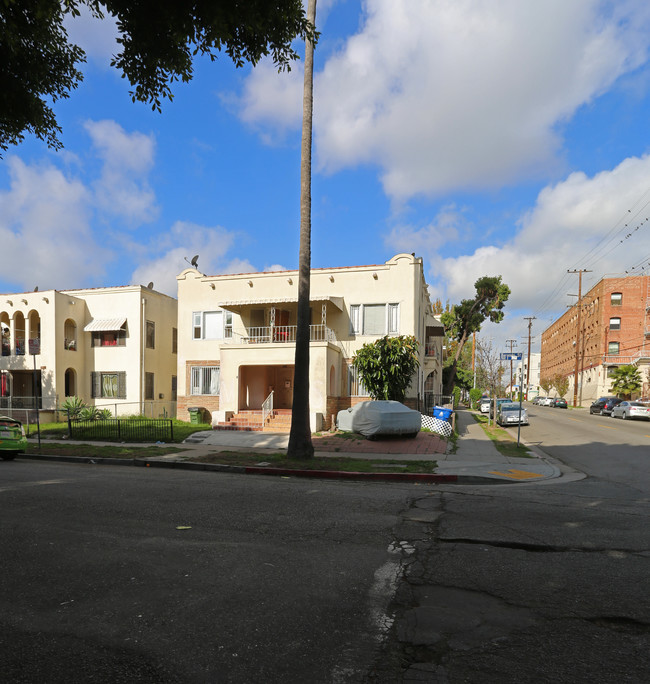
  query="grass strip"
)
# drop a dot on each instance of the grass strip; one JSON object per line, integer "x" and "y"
{"x": 97, "y": 451}
{"x": 505, "y": 444}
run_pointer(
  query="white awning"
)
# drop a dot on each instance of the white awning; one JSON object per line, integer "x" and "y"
{"x": 238, "y": 304}
{"x": 105, "y": 324}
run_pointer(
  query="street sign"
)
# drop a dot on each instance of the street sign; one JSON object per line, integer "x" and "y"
{"x": 510, "y": 356}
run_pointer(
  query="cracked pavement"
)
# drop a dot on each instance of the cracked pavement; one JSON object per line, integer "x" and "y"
{"x": 533, "y": 584}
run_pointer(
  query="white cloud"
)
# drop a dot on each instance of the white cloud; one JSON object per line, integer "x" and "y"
{"x": 96, "y": 37}
{"x": 164, "y": 260}
{"x": 581, "y": 223}
{"x": 449, "y": 94}
{"x": 45, "y": 230}
{"x": 123, "y": 188}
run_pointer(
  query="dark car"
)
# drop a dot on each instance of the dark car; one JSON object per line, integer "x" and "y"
{"x": 559, "y": 402}
{"x": 604, "y": 405}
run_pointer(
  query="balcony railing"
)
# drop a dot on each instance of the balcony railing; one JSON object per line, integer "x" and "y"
{"x": 282, "y": 334}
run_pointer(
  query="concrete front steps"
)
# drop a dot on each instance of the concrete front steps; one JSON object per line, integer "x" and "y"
{"x": 251, "y": 421}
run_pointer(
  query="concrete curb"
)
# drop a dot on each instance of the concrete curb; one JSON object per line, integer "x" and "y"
{"x": 249, "y": 470}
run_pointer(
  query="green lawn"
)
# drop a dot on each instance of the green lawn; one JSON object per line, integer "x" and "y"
{"x": 505, "y": 444}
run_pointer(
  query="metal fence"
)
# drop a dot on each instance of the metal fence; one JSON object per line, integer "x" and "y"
{"x": 431, "y": 399}
{"x": 122, "y": 430}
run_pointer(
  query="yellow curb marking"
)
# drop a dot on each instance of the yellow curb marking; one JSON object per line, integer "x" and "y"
{"x": 516, "y": 474}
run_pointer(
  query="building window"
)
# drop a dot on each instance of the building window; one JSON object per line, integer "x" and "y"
{"x": 110, "y": 338}
{"x": 108, "y": 385}
{"x": 614, "y": 323}
{"x": 174, "y": 340}
{"x": 205, "y": 380}
{"x": 211, "y": 325}
{"x": 613, "y": 347}
{"x": 148, "y": 386}
{"x": 151, "y": 335}
{"x": 174, "y": 388}
{"x": 374, "y": 319}
{"x": 617, "y": 299}
{"x": 355, "y": 386}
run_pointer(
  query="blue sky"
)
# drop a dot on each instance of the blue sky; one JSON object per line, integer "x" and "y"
{"x": 491, "y": 138}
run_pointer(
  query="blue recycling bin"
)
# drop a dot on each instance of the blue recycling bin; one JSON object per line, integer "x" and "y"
{"x": 442, "y": 413}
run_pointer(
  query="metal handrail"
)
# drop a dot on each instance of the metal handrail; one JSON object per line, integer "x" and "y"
{"x": 267, "y": 408}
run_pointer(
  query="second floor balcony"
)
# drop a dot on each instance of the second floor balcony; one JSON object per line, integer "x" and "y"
{"x": 280, "y": 334}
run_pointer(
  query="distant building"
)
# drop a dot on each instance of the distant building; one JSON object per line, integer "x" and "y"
{"x": 237, "y": 335}
{"x": 614, "y": 331}
{"x": 114, "y": 347}
{"x": 533, "y": 379}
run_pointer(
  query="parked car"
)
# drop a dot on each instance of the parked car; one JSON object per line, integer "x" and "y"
{"x": 484, "y": 405}
{"x": 559, "y": 402}
{"x": 509, "y": 414}
{"x": 631, "y": 409}
{"x": 12, "y": 438}
{"x": 536, "y": 399}
{"x": 604, "y": 405}
{"x": 496, "y": 403}
{"x": 546, "y": 401}
{"x": 372, "y": 418}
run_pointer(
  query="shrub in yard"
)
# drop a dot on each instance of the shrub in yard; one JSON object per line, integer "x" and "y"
{"x": 475, "y": 395}
{"x": 89, "y": 413}
{"x": 73, "y": 407}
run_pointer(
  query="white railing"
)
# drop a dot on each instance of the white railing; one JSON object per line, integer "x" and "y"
{"x": 283, "y": 334}
{"x": 267, "y": 408}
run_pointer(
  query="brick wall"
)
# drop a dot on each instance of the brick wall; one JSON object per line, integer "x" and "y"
{"x": 208, "y": 402}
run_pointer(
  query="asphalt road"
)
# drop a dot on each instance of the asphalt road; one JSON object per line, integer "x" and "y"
{"x": 274, "y": 580}
{"x": 283, "y": 580}
{"x": 610, "y": 449}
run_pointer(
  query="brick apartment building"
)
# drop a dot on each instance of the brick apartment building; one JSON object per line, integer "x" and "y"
{"x": 614, "y": 331}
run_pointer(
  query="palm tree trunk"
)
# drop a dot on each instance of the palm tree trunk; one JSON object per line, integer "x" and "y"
{"x": 300, "y": 444}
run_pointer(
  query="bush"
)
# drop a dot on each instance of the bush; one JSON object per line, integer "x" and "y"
{"x": 89, "y": 413}
{"x": 73, "y": 406}
{"x": 456, "y": 396}
{"x": 475, "y": 395}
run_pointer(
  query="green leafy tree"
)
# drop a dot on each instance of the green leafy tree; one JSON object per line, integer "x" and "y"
{"x": 561, "y": 383}
{"x": 158, "y": 44}
{"x": 386, "y": 366}
{"x": 546, "y": 384}
{"x": 626, "y": 379}
{"x": 468, "y": 316}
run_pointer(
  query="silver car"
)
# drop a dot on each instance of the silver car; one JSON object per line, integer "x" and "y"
{"x": 509, "y": 414}
{"x": 631, "y": 409}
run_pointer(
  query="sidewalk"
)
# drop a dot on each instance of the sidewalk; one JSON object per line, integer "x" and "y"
{"x": 475, "y": 459}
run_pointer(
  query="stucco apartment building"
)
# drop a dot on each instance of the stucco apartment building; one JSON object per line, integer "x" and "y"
{"x": 236, "y": 336}
{"x": 614, "y": 331}
{"x": 115, "y": 347}
{"x": 521, "y": 374}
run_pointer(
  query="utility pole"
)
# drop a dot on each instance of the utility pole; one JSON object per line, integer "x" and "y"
{"x": 577, "y": 343}
{"x": 511, "y": 343}
{"x": 530, "y": 320}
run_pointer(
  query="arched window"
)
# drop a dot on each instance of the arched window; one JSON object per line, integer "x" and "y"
{"x": 616, "y": 298}
{"x": 614, "y": 323}
{"x": 70, "y": 335}
{"x": 613, "y": 347}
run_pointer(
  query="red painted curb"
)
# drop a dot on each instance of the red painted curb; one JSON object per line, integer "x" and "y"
{"x": 344, "y": 475}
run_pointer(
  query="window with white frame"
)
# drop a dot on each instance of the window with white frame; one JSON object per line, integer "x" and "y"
{"x": 211, "y": 325}
{"x": 614, "y": 323}
{"x": 355, "y": 386}
{"x": 374, "y": 319}
{"x": 205, "y": 380}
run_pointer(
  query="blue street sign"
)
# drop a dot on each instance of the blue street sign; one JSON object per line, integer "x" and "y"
{"x": 509, "y": 356}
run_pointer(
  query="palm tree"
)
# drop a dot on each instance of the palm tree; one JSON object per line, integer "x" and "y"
{"x": 300, "y": 444}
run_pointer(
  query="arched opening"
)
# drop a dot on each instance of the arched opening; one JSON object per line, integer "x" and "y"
{"x": 332, "y": 388}
{"x": 70, "y": 382}
{"x": 5, "y": 334}
{"x": 19, "y": 333}
{"x": 70, "y": 335}
{"x": 34, "y": 346}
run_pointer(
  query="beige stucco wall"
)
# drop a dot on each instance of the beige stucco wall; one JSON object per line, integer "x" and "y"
{"x": 399, "y": 281}
{"x": 82, "y": 306}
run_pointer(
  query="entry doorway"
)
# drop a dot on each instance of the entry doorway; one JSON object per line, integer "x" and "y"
{"x": 257, "y": 382}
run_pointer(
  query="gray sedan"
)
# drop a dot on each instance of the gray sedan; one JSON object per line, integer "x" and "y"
{"x": 509, "y": 414}
{"x": 631, "y": 409}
